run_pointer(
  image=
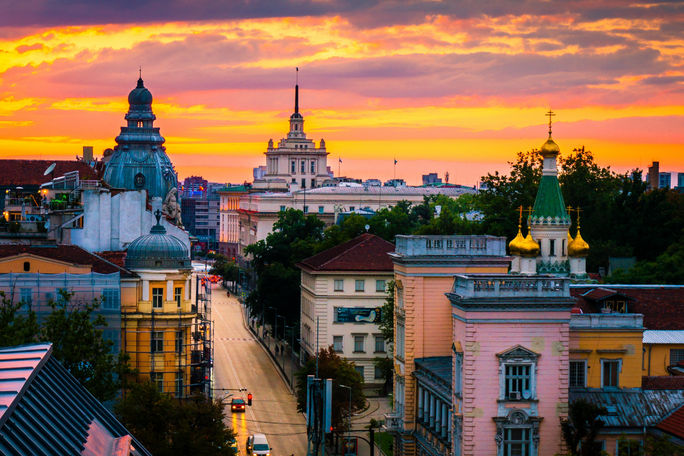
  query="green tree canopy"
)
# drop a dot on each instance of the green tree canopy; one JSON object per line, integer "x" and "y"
{"x": 342, "y": 372}
{"x": 581, "y": 428}
{"x": 169, "y": 427}
{"x": 16, "y": 328}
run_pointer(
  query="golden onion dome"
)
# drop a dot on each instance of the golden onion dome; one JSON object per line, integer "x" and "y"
{"x": 578, "y": 247}
{"x": 569, "y": 238}
{"x": 549, "y": 148}
{"x": 529, "y": 247}
{"x": 516, "y": 243}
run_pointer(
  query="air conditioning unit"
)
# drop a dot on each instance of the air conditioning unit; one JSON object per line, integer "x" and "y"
{"x": 514, "y": 395}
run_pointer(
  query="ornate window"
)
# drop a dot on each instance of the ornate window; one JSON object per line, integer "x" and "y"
{"x": 517, "y": 374}
{"x": 517, "y": 434}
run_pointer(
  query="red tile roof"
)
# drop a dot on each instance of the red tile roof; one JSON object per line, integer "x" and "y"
{"x": 31, "y": 172}
{"x": 366, "y": 252}
{"x": 673, "y": 424}
{"x": 68, "y": 253}
{"x": 664, "y": 382}
{"x": 662, "y": 306}
{"x": 114, "y": 256}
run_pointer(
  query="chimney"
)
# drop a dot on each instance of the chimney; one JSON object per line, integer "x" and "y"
{"x": 87, "y": 154}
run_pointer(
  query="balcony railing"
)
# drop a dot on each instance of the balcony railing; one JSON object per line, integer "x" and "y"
{"x": 394, "y": 422}
{"x": 504, "y": 285}
{"x": 607, "y": 321}
{"x": 450, "y": 246}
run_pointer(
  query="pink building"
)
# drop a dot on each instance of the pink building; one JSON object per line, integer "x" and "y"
{"x": 510, "y": 364}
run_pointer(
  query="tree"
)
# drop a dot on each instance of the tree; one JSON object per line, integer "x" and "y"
{"x": 16, "y": 328}
{"x": 386, "y": 324}
{"x": 668, "y": 268}
{"x": 342, "y": 372}
{"x": 294, "y": 237}
{"x": 581, "y": 428}
{"x": 661, "y": 445}
{"x": 77, "y": 343}
{"x": 168, "y": 427}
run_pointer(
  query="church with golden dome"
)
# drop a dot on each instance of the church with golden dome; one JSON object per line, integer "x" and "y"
{"x": 549, "y": 247}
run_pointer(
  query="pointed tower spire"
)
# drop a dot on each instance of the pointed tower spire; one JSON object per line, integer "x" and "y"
{"x": 550, "y": 114}
{"x": 296, "y": 91}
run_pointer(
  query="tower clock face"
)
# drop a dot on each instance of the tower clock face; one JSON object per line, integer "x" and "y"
{"x": 139, "y": 180}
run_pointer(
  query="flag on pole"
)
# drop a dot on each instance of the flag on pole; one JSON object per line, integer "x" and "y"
{"x": 340, "y": 160}
{"x": 395, "y": 161}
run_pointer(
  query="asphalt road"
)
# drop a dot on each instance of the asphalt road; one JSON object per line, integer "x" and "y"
{"x": 240, "y": 362}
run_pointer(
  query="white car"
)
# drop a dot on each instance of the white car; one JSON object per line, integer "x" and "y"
{"x": 258, "y": 445}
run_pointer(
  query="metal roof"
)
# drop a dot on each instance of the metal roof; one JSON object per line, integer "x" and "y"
{"x": 633, "y": 409}
{"x": 45, "y": 411}
{"x": 654, "y": 336}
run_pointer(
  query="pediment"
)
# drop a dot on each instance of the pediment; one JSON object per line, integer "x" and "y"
{"x": 518, "y": 352}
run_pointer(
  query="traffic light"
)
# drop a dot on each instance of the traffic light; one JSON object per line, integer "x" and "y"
{"x": 249, "y": 399}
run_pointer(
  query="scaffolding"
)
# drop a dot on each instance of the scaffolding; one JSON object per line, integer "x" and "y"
{"x": 173, "y": 349}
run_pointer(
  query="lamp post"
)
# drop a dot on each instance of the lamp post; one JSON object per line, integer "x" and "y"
{"x": 350, "y": 411}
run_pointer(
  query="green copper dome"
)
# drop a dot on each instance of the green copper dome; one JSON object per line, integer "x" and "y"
{"x": 549, "y": 206}
{"x": 157, "y": 250}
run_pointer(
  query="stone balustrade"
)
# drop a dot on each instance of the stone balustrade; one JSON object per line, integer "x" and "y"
{"x": 506, "y": 285}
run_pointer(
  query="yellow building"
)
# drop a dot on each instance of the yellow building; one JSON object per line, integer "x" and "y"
{"x": 158, "y": 316}
{"x": 663, "y": 352}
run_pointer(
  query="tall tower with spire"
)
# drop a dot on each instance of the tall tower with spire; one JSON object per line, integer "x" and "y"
{"x": 139, "y": 161}
{"x": 295, "y": 163}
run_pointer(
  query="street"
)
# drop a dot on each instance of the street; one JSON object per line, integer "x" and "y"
{"x": 240, "y": 362}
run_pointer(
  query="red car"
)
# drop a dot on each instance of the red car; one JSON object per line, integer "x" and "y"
{"x": 237, "y": 405}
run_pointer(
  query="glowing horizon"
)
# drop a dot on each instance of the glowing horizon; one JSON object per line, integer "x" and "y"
{"x": 439, "y": 89}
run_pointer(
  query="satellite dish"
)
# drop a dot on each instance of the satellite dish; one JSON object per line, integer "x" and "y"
{"x": 50, "y": 169}
{"x": 367, "y": 227}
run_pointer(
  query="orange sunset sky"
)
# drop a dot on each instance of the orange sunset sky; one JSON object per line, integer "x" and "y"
{"x": 457, "y": 86}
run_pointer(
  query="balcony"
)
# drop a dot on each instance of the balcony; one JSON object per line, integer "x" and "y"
{"x": 607, "y": 321}
{"x": 394, "y": 422}
{"x": 505, "y": 285}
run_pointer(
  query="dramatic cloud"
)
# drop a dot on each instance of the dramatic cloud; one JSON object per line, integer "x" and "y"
{"x": 380, "y": 78}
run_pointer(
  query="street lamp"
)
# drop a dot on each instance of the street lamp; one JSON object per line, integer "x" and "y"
{"x": 350, "y": 410}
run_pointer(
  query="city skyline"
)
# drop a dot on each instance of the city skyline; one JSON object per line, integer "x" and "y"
{"x": 441, "y": 88}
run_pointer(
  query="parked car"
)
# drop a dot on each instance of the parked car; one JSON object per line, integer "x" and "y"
{"x": 233, "y": 444}
{"x": 237, "y": 404}
{"x": 258, "y": 445}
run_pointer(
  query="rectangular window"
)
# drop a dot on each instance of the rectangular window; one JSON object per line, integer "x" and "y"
{"x": 629, "y": 447}
{"x": 517, "y": 442}
{"x": 337, "y": 344}
{"x": 360, "y": 370}
{"x": 399, "y": 345}
{"x": 359, "y": 285}
{"x": 313, "y": 167}
{"x": 157, "y": 378}
{"x": 179, "y": 342}
{"x": 552, "y": 247}
{"x": 321, "y": 209}
{"x": 610, "y": 371}
{"x": 306, "y": 209}
{"x": 578, "y": 371}
{"x": 379, "y": 374}
{"x": 359, "y": 344}
{"x": 282, "y": 208}
{"x": 178, "y": 295}
{"x": 292, "y": 167}
{"x": 303, "y": 167}
{"x": 380, "y": 286}
{"x": 379, "y": 344}
{"x": 157, "y": 298}
{"x": 676, "y": 356}
{"x": 517, "y": 381}
{"x": 112, "y": 335}
{"x": 110, "y": 299}
{"x": 351, "y": 208}
{"x": 157, "y": 341}
{"x": 179, "y": 384}
{"x": 26, "y": 296}
{"x": 339, "y": 285}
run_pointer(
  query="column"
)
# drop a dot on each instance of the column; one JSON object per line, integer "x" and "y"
{"x": 432, "y": 411}
{"x": 187, "y": 290}
{"x": 169, "y": 290}
{"x": 420, "y": 402}
{"x": 438, "y": 415}
{"x": 145, "y": 290}
{"x": 445, "y": 420}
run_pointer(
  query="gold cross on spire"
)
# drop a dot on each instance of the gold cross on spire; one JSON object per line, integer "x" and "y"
{"x": 550, "y": 114}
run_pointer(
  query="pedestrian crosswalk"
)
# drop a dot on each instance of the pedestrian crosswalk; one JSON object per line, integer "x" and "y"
{"x": 237, "y": 339}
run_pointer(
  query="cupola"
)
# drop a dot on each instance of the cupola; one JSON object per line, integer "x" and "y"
{"x": 157, "y": 250}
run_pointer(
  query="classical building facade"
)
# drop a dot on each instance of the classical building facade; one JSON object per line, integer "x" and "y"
{"x": 343, "y": 291}
{"x": 296, "y": 162}
{"x": 424, "y": 269}
{"x": 157, "y": 326}
{"x": 229, "y": 223}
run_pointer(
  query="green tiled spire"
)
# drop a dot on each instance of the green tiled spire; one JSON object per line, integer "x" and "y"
{"x": 549, "y": 202}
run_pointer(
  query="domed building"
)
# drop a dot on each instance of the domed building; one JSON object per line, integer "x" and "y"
{"x": 547, "y": 247}
{"x": 157, "y": 328}
{"x": 139, "y": 160}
